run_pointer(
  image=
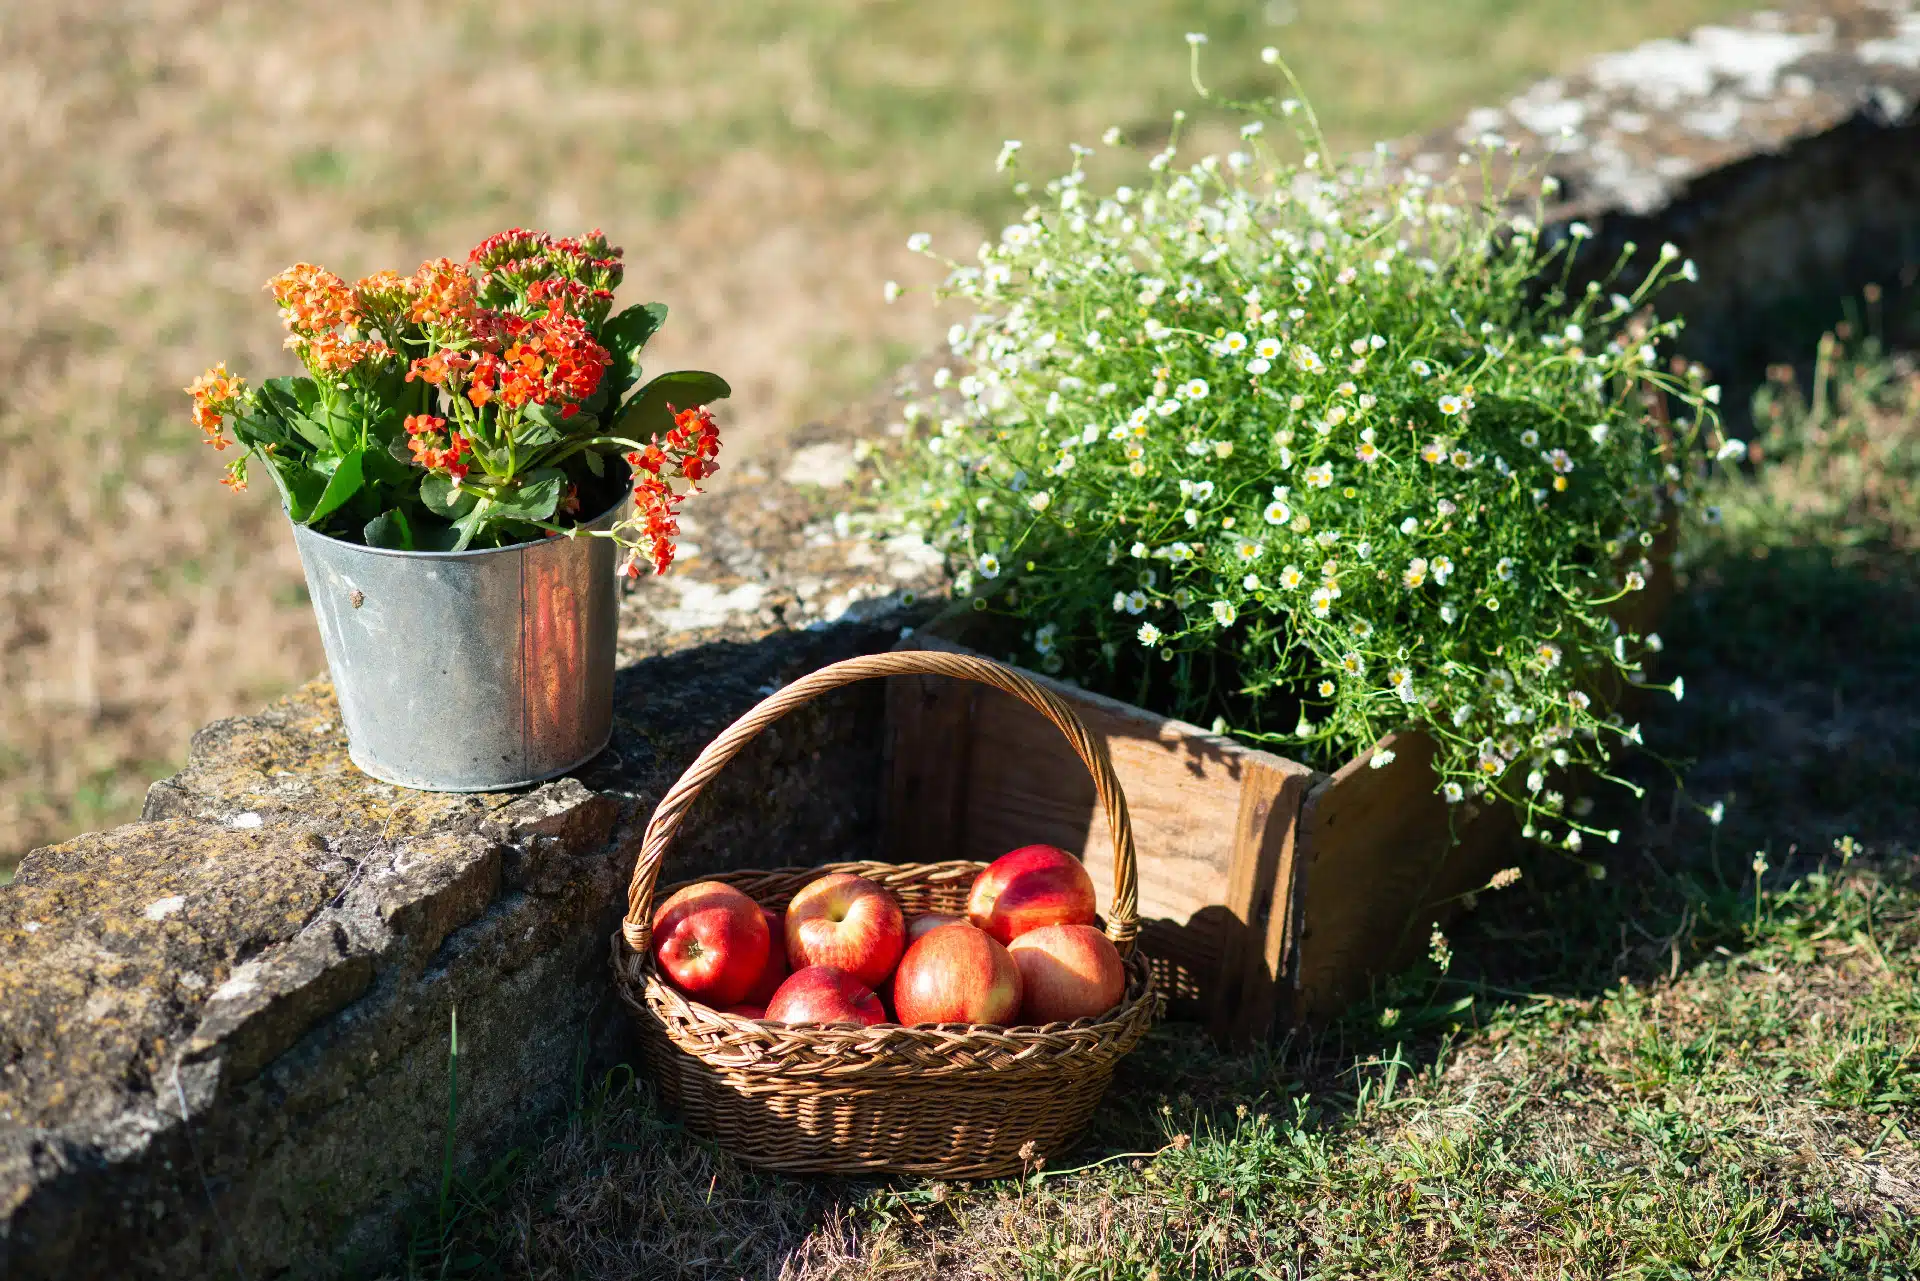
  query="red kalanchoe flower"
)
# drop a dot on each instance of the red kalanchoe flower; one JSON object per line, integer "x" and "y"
{"x": 659, "y": 508}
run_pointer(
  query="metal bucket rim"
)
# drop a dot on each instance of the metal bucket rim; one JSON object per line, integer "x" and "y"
{"x": 604, "y": 517}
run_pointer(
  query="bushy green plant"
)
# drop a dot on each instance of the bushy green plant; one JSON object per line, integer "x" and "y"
{"x": 1319, "y": 451}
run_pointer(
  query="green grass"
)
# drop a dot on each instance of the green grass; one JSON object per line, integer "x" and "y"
{"x": 1698, "y": 1065}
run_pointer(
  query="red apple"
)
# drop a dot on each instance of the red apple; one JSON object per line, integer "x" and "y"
{"x": 775, "y": 971}
{"x": 848, "y": 922}
{"x": 1032, "y": 886}
{"x": 956, "y": 974}
{"x": 712, "y": 942}
{"x": 822, "y": 994}
{"x": 929, "y": 921}
{"x": 1067, "y": 972}
{"x": 745, "y": 1011}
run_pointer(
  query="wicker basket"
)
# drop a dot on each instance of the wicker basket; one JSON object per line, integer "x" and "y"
{"x": 951, "y": 1100}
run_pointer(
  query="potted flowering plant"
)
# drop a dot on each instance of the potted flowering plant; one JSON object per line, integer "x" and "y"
{"x": 457, "y": 463}
{"x": 1315, "y": 452}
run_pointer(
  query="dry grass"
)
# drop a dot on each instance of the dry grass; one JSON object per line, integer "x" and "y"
{"x": 761, "y": 163}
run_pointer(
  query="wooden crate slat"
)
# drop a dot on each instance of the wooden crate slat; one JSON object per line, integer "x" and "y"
{"x": 929, "y": 737}
{"x": 1377, "y": 870}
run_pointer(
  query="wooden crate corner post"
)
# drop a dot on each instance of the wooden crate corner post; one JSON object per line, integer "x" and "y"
{"x": 972, "y": 773}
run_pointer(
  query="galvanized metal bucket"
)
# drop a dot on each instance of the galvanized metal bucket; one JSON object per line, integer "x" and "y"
{"x": 469, "y": 671}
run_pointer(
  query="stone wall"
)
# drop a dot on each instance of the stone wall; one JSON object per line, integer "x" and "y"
{"x": 1782, "y": 154}
{"x": 224, "y": 1029}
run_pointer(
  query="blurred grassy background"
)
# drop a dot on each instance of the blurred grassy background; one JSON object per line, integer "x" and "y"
{"x": 761, "y": 162}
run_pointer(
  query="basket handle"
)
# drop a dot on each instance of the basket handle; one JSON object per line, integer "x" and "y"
{"x": 1123, "y": 922}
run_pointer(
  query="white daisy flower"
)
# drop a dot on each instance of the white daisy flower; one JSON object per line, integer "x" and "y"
{"x": 1149, "y": 635}
{"x": 1136, "y": 602}
{"x": 1308, "y": 360}
{"x": 1442, "y": 569}
{"x": 1320, "y": 475}
{"x": 1450, "y": 405}
{"x": 1267, "y": 349}
{"x": 988, "y": 566}
{"x": 1322, "y": 601}
{"x": 1259, "y": 365}
{"x": 1352, "y": 664}
{"x": 1503, "y": 569}
{"x": 1232, "y": 344}
{"x": 1278, "y": 513}
{"x": 917, "y": 243}
{"x": 1291, "y": 577}
{"x": 1224, "y": 613}
{"x": 1529, "y": 438}
{"x": 1368, "y": 452}
{"x": 1416, "y": 572}
{"x": 1194, "y": 389}
{"x": 1420, "y": 368}
{"x": 1247, "y": 550}
{"x": 1547, "y": 654}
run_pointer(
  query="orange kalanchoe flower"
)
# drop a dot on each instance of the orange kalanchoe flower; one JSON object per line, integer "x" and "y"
{"x": 442, "y": 293}
{"x": 382, "y": 291}
{"x": 214, "y": 394}
{"x": 331, "y": 354}
{"x": 423, "y": 437}
{"x": 312, "y": 299}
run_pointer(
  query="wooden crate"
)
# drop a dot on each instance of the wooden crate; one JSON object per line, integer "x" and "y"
{"x": 1270, "y": 893}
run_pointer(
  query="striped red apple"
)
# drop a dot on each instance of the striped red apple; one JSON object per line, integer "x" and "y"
{"x": 1029, "y": 887}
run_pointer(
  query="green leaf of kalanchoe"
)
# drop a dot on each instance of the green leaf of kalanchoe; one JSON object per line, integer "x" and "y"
{"x": 437, "y": 491}
{"x": 652, "y": 408}
{"x": 344, "y": 484}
